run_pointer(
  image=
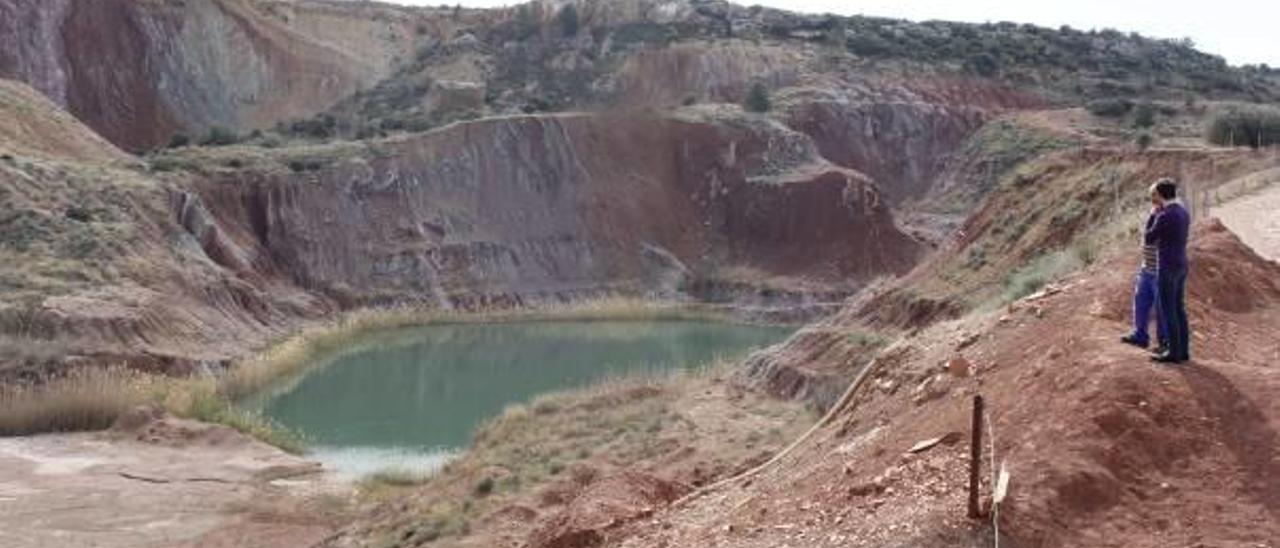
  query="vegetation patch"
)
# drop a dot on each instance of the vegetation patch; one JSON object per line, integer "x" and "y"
{"x": 92, "y": 399}
{"x": 540, "y": 454}
{"x": 1253, "y": 126}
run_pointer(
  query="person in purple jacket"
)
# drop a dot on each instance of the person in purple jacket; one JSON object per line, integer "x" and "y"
{"x": 1168, "y": 232}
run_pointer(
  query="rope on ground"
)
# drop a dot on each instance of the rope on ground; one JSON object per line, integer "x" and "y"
{"x": 836, "y": 409}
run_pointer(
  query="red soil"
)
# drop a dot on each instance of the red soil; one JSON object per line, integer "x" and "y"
{"x": 1103, "y": 447}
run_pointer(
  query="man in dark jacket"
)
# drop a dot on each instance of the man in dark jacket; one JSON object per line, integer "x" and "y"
{"x": 1169, "y": 234}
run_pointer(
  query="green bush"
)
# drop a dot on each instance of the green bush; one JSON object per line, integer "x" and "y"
{"x": 569, "y": 20}
{"x": 1144, "y": 116}
{"x": 1255, "y": 126}
{"x": 1110, "y": 108}
{"x": 983, "y": 64}
{"x": 757, "y": 99}
{"x": 220, "y": 136}
{"x": 1144, "y": 140}
{"x": 484, "y": 487}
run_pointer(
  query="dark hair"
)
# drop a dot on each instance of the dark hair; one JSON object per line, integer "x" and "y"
{"x": 1166, "y": 188}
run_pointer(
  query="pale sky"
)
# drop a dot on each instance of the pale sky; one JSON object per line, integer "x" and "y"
{"x": 1242, "y": 31}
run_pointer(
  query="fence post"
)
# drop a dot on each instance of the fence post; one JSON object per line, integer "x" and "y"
{"x": 975, "y": 458}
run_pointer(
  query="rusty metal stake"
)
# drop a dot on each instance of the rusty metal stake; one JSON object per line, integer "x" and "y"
{"x": 975, "y": 459}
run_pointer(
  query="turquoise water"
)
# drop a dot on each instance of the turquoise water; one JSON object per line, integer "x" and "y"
{"x": 412, "y": 397}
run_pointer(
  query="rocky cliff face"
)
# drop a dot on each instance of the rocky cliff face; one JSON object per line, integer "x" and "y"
{"x": 139, "y": 72}
{"x": 534, "y": 208}
{"x": 114, "y": 262}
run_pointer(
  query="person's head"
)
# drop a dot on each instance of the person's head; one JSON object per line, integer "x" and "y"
{"x": 1163, "y": 191}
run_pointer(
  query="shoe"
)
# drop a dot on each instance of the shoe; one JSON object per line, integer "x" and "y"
{"x": 1165, "y": 358}
{"x": 1130, "y": 339}
{"x": 1160, "y": 349}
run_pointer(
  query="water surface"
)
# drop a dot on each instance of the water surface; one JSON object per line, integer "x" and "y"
{"x": 412, "y": 397}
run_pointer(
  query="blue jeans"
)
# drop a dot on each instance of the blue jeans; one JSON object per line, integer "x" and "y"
{"x": 1171, "y": 287}
{"x": 1144, "y": 302}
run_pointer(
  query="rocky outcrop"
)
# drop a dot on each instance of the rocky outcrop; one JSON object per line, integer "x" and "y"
{"x": 139, "y": 72}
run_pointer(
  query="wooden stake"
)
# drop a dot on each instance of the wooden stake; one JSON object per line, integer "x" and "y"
{"x": 975, "y": 459}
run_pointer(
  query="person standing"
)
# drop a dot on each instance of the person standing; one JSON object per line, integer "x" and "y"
{"x": 1144, "y": 295}
{"x": 1168, "y": 232}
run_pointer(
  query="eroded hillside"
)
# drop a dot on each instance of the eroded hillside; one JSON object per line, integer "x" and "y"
{"x": 140, "y": 72}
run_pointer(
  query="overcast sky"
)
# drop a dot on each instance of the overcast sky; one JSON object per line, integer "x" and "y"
{"x": 1242, "y": 31}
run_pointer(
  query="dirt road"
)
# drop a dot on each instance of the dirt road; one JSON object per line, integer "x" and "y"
{"x": 1256, "y": 219}
{"x": 110, "y": 491}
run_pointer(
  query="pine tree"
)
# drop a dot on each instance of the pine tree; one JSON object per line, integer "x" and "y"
{"x": 757, "y": 99}
{"x": 569, "y": 20}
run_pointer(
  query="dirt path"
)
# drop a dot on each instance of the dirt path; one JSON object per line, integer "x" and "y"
{"x": 106, "y": 491}
{"x": 1256, "y": 219}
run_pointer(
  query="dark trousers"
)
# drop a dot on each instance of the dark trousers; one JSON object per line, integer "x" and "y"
{"x": 1171, "y": 287}
{"x": 1144, "y": 303}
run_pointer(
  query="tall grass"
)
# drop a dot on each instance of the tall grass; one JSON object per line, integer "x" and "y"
{"x": 92, "y": 399}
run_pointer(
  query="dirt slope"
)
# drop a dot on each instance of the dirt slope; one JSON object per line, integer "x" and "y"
{"x": 95, "y": 265}
{"x": 1104, "y": 448}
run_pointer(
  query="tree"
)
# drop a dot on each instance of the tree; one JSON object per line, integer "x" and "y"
{"x": 525, "y": 25}
{"x": 983, "y": 64}
{"x": 1144, "y": 115}
{"x": 837, "y": 32}
{"x": 569, "y": 20}
{"x": 1144, "y": 140}
{"x": 757, "y": 99}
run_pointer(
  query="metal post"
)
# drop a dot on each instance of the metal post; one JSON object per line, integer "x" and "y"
{"x": 975, "y": 459}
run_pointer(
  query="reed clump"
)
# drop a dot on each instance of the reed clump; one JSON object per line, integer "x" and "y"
{"x": 87, "y": 399}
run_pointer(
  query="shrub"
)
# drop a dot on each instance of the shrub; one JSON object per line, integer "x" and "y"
{"x": 79, "y": 214}
{"x": 1253, "y": 126}
{"x": 1144, "y": 116}
{"x": 569, "y": 20}
{"x": 757, "y": 99}
{"x": 1144, "y": 140}
{"x": 220, "y": 136}
{"x": 300, "y": 165}
{"x": 525, "y": 24}
{"x": 484, "y": 487}
{"x": 983, "y": 64}
{"x": 322, "y": 126}
{"x": 166, "y": 163}
{"x": 1032, "y": 277}
{"x": 1110, "y": 108}
{"x": 179, "y": 140}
